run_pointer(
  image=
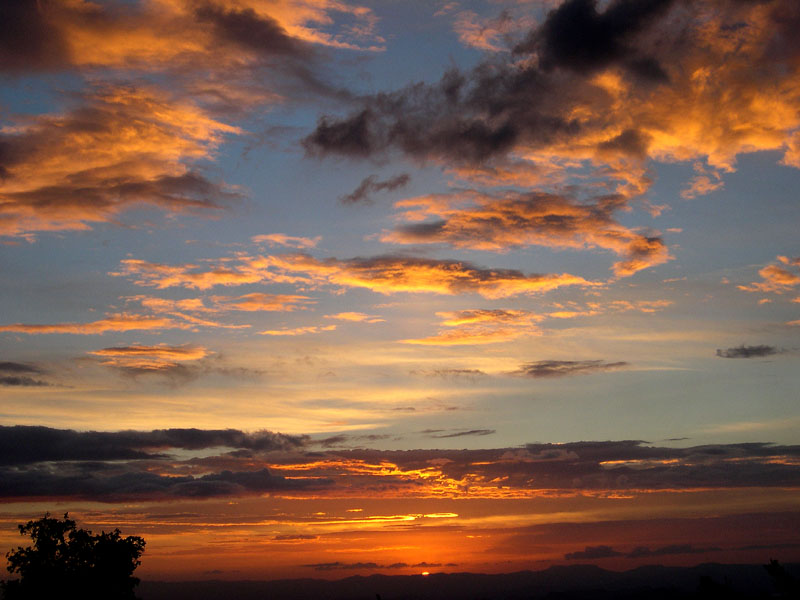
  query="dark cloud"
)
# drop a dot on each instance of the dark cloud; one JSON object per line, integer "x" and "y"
{"x": 22, "y": 444}
{"x": 29, "y": 37}
{"x": 564, "y": 368}
{"x": 291, "y": 537}
{"x": 340, "y": 566}
{"x": 19, "y": 368}
{"x": 351, "y": 441}
{"x": 43, "y": 462}
{"x": 575, "y": 36}
{"x": 91, "y": 482}
{"x": 645, "y": 552}
{"x": 592, "y": 552}
{"x": 748, "y": 351}
{"x": 587, "y": 84}
{"x": 249, "y": 30}
{"x": 464, "y": 433}
{"x": 370, "y": 185}
{"x": 20, "y": 374}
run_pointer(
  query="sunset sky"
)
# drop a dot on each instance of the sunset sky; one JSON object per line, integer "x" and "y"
{"x": 320, "y": 288}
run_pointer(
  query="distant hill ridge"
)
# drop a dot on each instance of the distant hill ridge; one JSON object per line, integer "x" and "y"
{"x": 571, "y": 582}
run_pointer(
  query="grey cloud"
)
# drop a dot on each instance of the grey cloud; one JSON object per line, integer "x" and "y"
{"x": 469, "y": 432}
{"x": 748, "y": 351}
{"x": 20, "y": 374}
{"x": 450, "y": 373}
{"x": 88, "y": 482}
{"x": 22, "y": 444}
{"x": 563, "y": 368}
{"x": 370, "y": 185}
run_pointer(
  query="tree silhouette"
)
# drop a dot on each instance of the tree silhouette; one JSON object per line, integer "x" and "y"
{"x": 65, "y": 561}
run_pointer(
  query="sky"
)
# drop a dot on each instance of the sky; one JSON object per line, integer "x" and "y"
{"x": 316, "y": 288}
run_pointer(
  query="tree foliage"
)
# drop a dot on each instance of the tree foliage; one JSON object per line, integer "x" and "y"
{"x": 66, "y": 561}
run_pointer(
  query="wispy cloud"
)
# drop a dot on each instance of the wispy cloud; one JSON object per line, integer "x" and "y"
{"x": 564, "y": 368}
{"x": 481, "y": 326}
{"x": 114, "y": 322}
{"x": 382, "y": 274}
{"x": 288, "y": 241}
{"x": 776, "y": 278}
{"x": 372, "y": 185}
{"x": 499, "y": 223}
{"x": 298, "y": 330}
{"x": 70, "y": 171}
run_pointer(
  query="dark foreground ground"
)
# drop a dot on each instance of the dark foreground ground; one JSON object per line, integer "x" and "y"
{"x": 576, "y": 582}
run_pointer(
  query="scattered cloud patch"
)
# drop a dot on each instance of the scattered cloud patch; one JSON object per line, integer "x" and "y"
{"x": 748, "y": 351}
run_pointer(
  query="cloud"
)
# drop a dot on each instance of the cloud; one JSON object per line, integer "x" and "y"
{"x": 294, "y": 537}
{"x": 160, "y": 36}
{"x": 357, "y": 317}
{"x": 602, "y": 87}
{"x": 645, "y": 552}
{"x": 23, "y": 444}
{"x": 138, "y": 465}
{"x": 114, "y": 322}
{"x": 481, "y": 326}
{"x": 298, "y": 330}
{"x": 372, "y": 566}
{"x": 469, "y": 432}
{"x": 125, "y": 147}
{"x": 142, "y": 485}
{"x": 470, "y": 374}
{"x": 492, "y": 34}
{"x": 370, "y": 185}
{"x": 393, "y": 274}
{"x": 259, "y": 301}
{"x": 592, "y": 552}
{"x": 498, "y": 223}
{"x": 564, "y": 368}
{"x": 20, "y": 374}
{"x": 388, "y": 274}
{"x": 163, "y": 359}
{"x": 748, "y": 351}
{"x": 289, "y": 241}
{"x": 776, "y": 278}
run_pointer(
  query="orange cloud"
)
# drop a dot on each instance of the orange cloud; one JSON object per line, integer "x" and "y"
{"x": 161, "y": 357}
{"x": 263, "y": 302}
{"x": 193, "y": 276}
{"x": 488, "y": 34}
{"x": 357, "y": 317}
{"x": 298, "y": 330}
{"x": 481, "y": 326}
{"x": 116, "y": 322}
{"x": 776, "y": 278}
{"x": 500, "y": 222}
{"x": 382, "y": 274}
{"x": 125, "y": 147}
{"x": 169, "y": 34}
{"x": 289, "y": 241}
{"x": 393, "y": 274}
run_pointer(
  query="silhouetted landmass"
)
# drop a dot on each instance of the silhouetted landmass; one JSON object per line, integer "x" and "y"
{"x": 573, "y": 582}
